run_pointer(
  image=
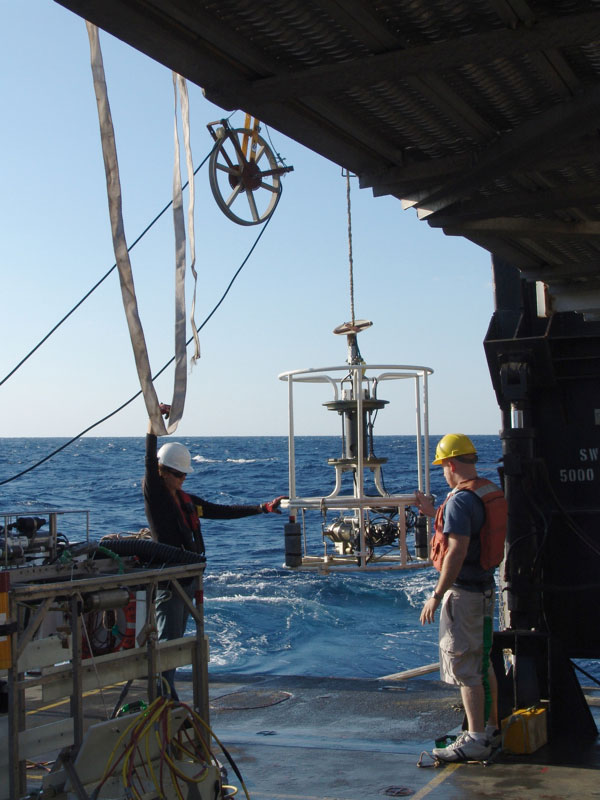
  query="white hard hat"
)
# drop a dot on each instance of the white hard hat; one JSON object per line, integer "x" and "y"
{"x": 176, "y": 456}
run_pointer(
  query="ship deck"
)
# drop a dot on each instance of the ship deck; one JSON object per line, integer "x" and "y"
{"x": 311, "y": 738}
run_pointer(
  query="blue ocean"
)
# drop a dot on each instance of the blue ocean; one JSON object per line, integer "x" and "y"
{"x": 260, "y": 617}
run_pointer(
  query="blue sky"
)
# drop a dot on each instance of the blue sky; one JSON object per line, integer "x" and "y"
{"x": 429, "y": 296}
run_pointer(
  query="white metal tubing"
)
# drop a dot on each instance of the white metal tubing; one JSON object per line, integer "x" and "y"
{"x": 358, "y": 502}
{"x": 347, "y": 501}
{"x": 426, "y": 425}
{"x": 360, "y": 476}
{"x": 291, "y": 445}
{"x": 316, "y": 370}
{"x": 392, "y": 376}
{"x": 419, "y": 433}
{"x": 377, "y": 479}
{"x": 315, "y": 379}
{"x": 338, "y": 483}
{"x": 316, "y": 564}
{"x": 9, "y": 517}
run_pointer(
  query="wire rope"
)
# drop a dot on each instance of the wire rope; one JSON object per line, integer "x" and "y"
{"x": 154, "y": 377}
{"x": 98, "y": 283}
{"x": 350, "y": 257}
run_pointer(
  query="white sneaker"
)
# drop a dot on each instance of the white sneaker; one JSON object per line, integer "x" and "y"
{"x": 463, "y": 748}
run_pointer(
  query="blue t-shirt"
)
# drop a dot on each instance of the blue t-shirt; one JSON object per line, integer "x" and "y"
{"x": 464, "y": 514}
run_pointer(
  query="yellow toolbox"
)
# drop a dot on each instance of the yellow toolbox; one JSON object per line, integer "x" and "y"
{"x": 525, "y": 731}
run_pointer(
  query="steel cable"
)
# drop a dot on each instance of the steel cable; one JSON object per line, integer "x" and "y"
{"x": 350, "y": 258}
{"x": 154, "y": 377}
{"x": 96, "y": 285}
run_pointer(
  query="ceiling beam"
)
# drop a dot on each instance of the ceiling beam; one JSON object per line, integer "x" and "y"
{"x": 522, "y": 203}
{"x": 411, "y": 174}
{"x": 511, "y": 251}
{"x": 480, "y": 48}
{"x": 566, "y": 271}
{"x": 153, "y": 30}
{"x": 527, "y": 228}
{"x": 547, "y": 132}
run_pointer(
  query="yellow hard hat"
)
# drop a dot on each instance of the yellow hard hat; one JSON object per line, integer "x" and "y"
{"x": 452, "y": 445}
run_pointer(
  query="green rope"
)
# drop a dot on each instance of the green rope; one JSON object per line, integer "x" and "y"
{"x": 105, "y": 551}
{"x": 485, "y": 667}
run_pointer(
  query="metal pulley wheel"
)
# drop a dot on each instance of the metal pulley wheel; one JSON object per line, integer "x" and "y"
{"x": 245, "y": 180}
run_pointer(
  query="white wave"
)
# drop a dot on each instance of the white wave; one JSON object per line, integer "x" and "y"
{"x": 249, "y": 598}
{"x": 199, "y": 459}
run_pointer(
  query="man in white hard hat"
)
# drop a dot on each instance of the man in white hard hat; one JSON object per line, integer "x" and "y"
{"x": 470, "y": 527}
{"x": 174, "y": 519}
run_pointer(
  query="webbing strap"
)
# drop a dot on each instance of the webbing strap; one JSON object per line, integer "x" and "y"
{"x": 180, "y": 84}
{"x": 180, "y": 245}
{"x": 134, "y": 324}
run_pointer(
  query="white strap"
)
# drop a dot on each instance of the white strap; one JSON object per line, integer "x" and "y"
{"x": 181, "y": 83}
{"x": 180, "y": 245}
{"x": 136, "y": 332}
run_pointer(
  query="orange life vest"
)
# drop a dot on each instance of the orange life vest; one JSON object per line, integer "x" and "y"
{"x": 493, "y": 531}
{"x": 126, "y": 625}
{"x": 189, "y": 512}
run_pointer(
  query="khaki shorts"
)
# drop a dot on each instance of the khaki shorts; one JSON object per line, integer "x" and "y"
{"x": 461, "y": 635}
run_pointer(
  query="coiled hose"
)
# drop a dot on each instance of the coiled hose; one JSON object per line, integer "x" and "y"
{"x": 151, "y": 552}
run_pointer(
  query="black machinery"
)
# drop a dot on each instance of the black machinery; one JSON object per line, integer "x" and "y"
{"x": 545, "y": 369}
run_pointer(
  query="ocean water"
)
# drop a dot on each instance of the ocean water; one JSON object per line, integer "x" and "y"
{"x": 260, "y": 617}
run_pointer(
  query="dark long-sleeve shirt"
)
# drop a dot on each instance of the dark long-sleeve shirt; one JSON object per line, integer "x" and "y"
{"x": 168, "y": 523}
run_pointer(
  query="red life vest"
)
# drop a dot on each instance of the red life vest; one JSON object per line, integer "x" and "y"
{"x": 493, "y": 531}
{"x": 189, "y": 512}
{"x": 126, "y": 625}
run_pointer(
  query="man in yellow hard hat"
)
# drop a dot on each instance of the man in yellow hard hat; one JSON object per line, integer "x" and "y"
{"x": 465, "y": 591}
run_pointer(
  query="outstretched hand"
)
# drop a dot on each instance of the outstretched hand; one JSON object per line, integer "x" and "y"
{"x": 272, "y": 507}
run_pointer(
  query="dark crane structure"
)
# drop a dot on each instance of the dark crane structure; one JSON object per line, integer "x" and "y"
{"x": 483, "y": 115}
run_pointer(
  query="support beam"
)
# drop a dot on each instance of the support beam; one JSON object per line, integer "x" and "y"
{"x": 521, "y": 203}
{"x": 527, "y": 228}
{"x": 558, "y": 125}
{"x": 479, "y": 48}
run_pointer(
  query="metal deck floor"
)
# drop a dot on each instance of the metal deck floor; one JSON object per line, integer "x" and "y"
{"x": 307, "y": 738}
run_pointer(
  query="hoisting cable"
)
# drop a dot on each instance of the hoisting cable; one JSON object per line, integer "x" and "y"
{"x": 154, "y": 377}
{"x": 350, "y": 259}
{"x": 100, "y": 281}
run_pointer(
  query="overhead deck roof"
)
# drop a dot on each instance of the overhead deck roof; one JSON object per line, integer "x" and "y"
{"x": 484, "y": 115}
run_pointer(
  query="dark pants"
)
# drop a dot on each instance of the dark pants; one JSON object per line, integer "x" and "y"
{"x": 171, "y": 619}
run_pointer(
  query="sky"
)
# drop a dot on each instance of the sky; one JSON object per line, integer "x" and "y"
{"x": 429, "y": 296}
